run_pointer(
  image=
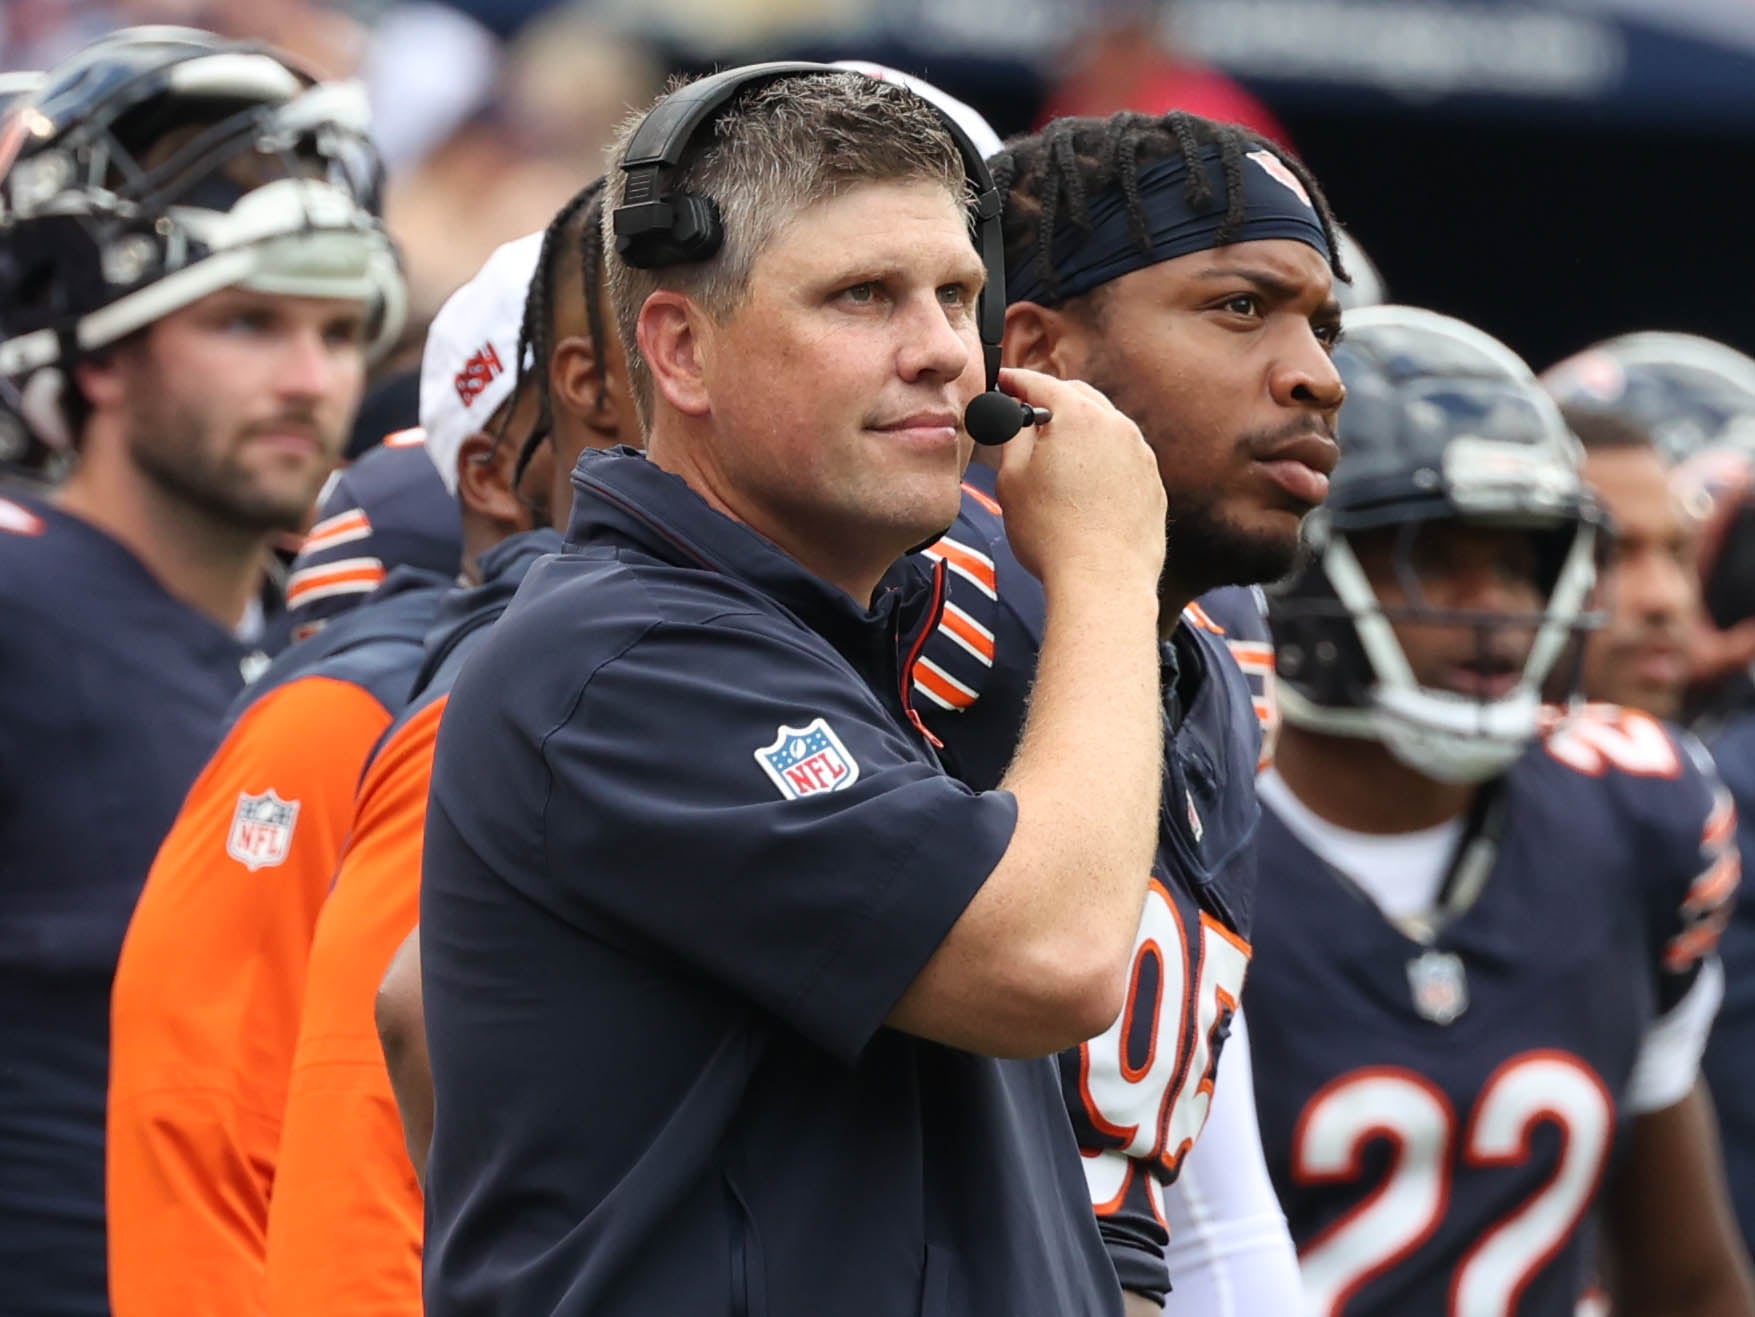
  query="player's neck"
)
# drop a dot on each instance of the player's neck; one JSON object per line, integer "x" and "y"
{"x": 213, "y": 566}
{"x": 1357, "y": 784}
{"x": 1173, "y": 597}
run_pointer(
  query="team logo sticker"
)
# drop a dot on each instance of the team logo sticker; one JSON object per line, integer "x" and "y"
{"x": 1439, "y": 984}
{"x": 1275, "y": 168}
{"x": 262, "y": 829}
{"x": 808, "y": 760}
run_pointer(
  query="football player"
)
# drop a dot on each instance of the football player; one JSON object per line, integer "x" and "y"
{"x": 203, "y": 1049}
{"x": 193, "y": 275}
{"x": 1185, "y": 269}
{"x": 1649, "y": 584}
{"x": 1697, "y": 398}
{"x": 1483, "y": 985}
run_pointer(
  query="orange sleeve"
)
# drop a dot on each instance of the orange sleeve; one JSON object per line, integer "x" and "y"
{"x": 204, "y": 1012}
{"x": 344, "y": 1232}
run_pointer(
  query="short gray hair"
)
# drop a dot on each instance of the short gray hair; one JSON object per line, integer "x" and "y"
{"x": 773, "y": 150}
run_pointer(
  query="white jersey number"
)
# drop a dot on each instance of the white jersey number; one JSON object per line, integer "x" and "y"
{"x": 1152, "y": 1107}
{"x": 1532, "y": 1089}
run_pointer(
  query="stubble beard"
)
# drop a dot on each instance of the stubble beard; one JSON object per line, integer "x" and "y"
{"x": 1205, "y": 547}
{"x": 177, "y": 450}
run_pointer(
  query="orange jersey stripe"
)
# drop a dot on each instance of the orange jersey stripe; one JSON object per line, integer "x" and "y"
{"x": 966, "y": 562}
{"x": 1721, "y": 824}
{"x": 1252, "y": 654}
{"x": 344, "y": 1230}
{"x": 350, "y": 576}
{"x": 413, "y": 437}
{"x": 1699, "y": 941}
{"x": 331, "y": 532}
{"x": 1716, "y": 886}
{"x": 940, "y": 687}
{"x": 974, "y": 637}
{"x": 1198, "y": 615}
{"x": 204, "y": 1011}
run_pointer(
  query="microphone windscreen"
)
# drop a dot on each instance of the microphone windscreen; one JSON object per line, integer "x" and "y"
{"x": 993, "y": 417}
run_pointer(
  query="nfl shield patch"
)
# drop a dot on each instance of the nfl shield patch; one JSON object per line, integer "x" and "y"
{"x": 804, "y": 761}
{"x": 1440, "y": 985}
{"x": 262, "y": 829}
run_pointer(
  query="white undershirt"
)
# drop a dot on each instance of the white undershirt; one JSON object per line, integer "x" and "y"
{"x": 1402, "y": 874}
{"x": 1230, "y": 1253}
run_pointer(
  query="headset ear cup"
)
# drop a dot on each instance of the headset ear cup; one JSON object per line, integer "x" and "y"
{"x": 697, "y": 233}
{"x": 691, "y": 234}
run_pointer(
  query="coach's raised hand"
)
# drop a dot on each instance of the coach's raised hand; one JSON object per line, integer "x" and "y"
{"x": 1038, "y": 962}
{"x": 1082, "y": 493}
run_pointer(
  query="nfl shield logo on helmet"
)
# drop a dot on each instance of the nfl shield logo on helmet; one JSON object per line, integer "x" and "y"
{"x": 262, "y": 829}
{"x": 1440, "y": 985}
{"x": 808, "y": 760}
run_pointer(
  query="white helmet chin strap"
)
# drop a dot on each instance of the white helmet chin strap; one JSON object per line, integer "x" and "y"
{"x": 1449, "y": 737}
{"x": 1453, "y": 738}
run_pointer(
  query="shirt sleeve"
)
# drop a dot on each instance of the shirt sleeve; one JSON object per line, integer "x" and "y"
{"x": 202, "y": 1043}
{"x": 1669, "y": 1057}
{"x": 750, "y": 806}
{"x": 1230, "y": 1253}
{"x": 1697, "y": 890}
{"x": 344, "y": 1229}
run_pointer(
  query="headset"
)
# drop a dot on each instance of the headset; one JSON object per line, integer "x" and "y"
{"x": 657, "y": 226}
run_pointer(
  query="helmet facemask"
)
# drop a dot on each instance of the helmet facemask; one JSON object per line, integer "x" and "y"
{"x": 1336, "y": 614}
{"x": 234, "y": 171}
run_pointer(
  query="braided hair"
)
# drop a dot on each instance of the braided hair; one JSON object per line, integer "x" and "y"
{"x": 1053, "y": 174}
{"x": 571, "y": 235}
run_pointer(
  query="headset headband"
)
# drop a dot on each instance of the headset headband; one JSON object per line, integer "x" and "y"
{"x": 656, "y": 227}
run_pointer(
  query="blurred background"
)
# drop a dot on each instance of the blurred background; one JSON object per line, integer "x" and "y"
{"x": 1556, "y": 171}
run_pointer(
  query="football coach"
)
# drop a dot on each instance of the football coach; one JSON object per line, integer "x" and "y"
{"x": 737, "y": 1003}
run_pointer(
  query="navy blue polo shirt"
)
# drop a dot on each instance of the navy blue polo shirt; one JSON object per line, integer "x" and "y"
{"x": 112, "y": 695}
{"x": 687, "y": 847}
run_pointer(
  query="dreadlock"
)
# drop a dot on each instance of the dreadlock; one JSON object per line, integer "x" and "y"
{"x": 573, "y": 232}
{"x": 1053, "y": 174}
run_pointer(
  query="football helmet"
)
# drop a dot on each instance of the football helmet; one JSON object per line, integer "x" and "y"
{"x": 1687, "y": 392}
{"x": 22, "y": 455}
{"x": 1717, "y": 486}
{"x": 158, "y": 165}
{"x": 1441, "y": 423}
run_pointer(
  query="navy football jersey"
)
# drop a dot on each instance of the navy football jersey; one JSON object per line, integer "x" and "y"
{"x": 112, "y": 695}
{"x": 1139, "y": 1094}
{"x": 1729, "y": 1064}
{"x": 1240, "y": 614}
{"x": 1438, "y": 1115}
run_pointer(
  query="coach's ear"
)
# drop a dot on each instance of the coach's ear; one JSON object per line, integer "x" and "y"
{"x": 675, "y": 339}
{"x": 1048, "y": 339}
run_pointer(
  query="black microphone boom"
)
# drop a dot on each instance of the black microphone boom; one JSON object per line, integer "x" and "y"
{"x": 993, "y": 417}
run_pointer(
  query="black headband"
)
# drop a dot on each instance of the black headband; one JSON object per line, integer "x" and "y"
{"x": 1086, "y": 257}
